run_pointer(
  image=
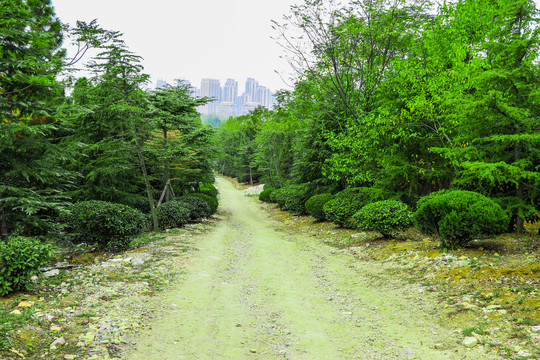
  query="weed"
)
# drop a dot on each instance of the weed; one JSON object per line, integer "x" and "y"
{"x": 474, "y": 329}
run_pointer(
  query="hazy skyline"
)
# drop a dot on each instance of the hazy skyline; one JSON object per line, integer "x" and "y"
{"x": 193, "y": 39}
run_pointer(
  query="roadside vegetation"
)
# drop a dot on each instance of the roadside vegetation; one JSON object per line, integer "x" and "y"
{"x": 87, "y": 163}
{"x": 401, "y": 114}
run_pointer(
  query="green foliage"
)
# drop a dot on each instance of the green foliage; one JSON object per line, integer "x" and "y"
{"x": 458, "y": 216}
{"x": 265, "y": 195}
{"x": 386, "y": 217}
{"x": 198, "y": 207}
{"x": 211, "y": 201}
{"x": 347, "y": 202}
{"x": 208, "y": 189}
{"x": 20, "y": 259}
{"x": 106, "y": 224}
{"x": 292, "y": 198}
{"x": 315, "y": 205}
{"x": 173, "y": 214}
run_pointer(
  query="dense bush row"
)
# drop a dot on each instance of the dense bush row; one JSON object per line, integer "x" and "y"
{"x": 102, "y": 224}
{"x": 456, "y": 216}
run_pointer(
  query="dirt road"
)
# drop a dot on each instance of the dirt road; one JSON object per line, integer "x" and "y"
{"x": 253, "y": 291}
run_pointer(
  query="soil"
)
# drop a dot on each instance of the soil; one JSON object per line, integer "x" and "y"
{"x": 257, "y": 283}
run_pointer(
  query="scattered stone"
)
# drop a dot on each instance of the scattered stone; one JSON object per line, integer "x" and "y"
{"x": 470, "y": 342}
{"x": 70, "y": 357}
{"x": 478, "y": 337}
{"x": 362, "y": 234}
{"x": 494, "y": 342}
{"x": 254, "y": 190}
{"x": 55, "y": 328}
{"x": 535, "y": 329}
{"x": 51, "y": 273}
{"x": 16, "y": 312}
{"x": 58, "y": 343}
{"x": 439, "y": 346}
{"x": 137, "y": 262}
{"x": 238, "y": 325}
{"x": 24, "y": 304}
{"x": 524, "y": 355}
{"x": 253, "y": 351}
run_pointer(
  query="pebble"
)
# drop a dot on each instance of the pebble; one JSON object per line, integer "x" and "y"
{"x": 523, "y": 354}
{"x": 51, "y": 273}
{"x": 439, "y": 346}
{"x": 24, "y": 304}
{"x": 58, "y": 343}
{"x": 535, "y": 329}
{"x": 470, "y": 342}
{"x": 16, "y": 312}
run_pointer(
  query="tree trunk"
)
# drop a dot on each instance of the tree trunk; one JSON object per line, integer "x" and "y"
{"x": 146, "y": 181}
{"x": 519, "y": 190}
{"x": 250, "y": 176}
{"x": 165, "y": 190}
{"x": 3, "y": 226}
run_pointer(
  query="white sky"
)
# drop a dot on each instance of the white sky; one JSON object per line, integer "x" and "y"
{"x": 193, "y": 39}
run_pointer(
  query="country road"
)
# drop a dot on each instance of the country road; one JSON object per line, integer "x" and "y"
{"x": 254, "y": 291}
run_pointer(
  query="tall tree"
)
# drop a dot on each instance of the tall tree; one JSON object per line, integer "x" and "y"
{"x": 31, "y": 181}
{"x": 498, "y": 138}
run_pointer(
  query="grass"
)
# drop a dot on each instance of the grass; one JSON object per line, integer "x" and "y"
{"x": 10, "y": 322}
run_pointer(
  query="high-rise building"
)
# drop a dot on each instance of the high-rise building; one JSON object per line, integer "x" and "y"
{"x": 210, "y": 88}
{"x": 230, "y": 92}
{"x": 264, "y": 96}
{"x": 251, "y": 90}
{"x": 228, "y": 102}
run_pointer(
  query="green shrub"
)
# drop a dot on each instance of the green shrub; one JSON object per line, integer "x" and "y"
{"x": 314, "y": 205}
{"x": 20, "y": 258}
{"x": 143, "y": 205}
{"x": 106, "y": 224}
{"x": 277, "y": 197}
{"x": 208, "y": 189}
{"x": 198, "y": 208}
{"x": 293, "y": 198}
{"x": 458, "y": 216}
{"x": 211, "y": 201}
{"x": 386, "y": 217}
{"x": 347, "y": 202}
{"x": 172, "y": 214}
{"x": 265, "y": 195}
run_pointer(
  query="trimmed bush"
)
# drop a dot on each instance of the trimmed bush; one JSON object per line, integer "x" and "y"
{"x": 347, "y": 202}
{"x": 265, "y": 195}
{"x": 277, "y": 197}
{"x": 208, "y": 189}
{"x": 20, "y": 259}
{"x": 292, "y": 198}
{"x": 172, "y": 214}
{"x": 106, "y": 224}
{"x": 314, "y": 205}
{"x": 458, "y": 216}
{"x": 198, "y": 208}
{"x": 386, "y": 217}
{"x": 211, "y": 201}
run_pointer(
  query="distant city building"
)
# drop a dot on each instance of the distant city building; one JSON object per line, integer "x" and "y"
{"x": 228, "y": 102}
{"x": 160, "y": 84}
{"x": 210, "y": 88}
{"x": 230, "y": 92}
